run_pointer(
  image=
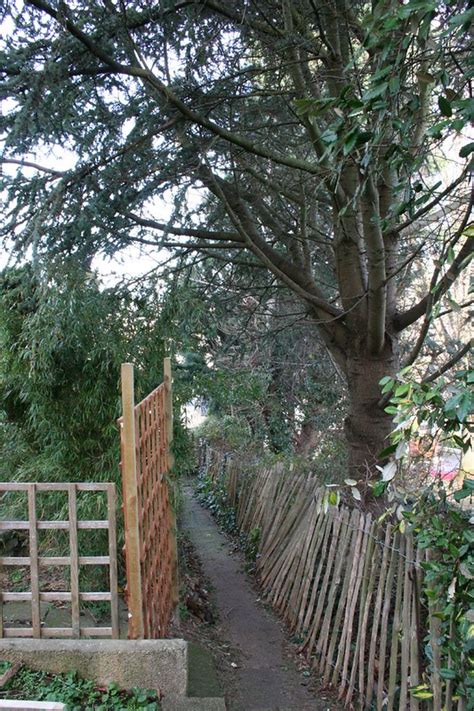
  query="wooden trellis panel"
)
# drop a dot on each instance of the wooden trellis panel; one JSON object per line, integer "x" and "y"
{"x": 150, "y": 536}
{"x": 35, "y": 561}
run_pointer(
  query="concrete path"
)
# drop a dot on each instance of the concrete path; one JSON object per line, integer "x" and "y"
{"x": 266, "y": 679}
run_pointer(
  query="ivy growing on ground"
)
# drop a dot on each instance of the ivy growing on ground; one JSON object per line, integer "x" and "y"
{"x": 78, "y": 694}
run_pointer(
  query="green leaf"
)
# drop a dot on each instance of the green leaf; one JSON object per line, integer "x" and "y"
{"x": 375, "y": 91}
{"x": 379, "y": 488}
{"x": 445, "y": 106}
{"x": 402, "y": 389}
{"x": 466, "y": 150}
{"x": 387, "y": 451}
{"x": 421, "y": 692}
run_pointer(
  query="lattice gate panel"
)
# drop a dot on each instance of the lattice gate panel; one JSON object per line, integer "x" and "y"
{"x": 149, "y": 518}
{"x": 154, "y": 507}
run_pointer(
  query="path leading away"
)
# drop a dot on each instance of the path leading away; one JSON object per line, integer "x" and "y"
{"x": 266, "y": 679}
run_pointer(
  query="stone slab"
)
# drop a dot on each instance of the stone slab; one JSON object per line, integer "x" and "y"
{"x": 20, "y": 612}
{"x": 150, "y": 664}
{"x": 18, "y": 705}
{"x": 195, "y": 704}
{"x": 202, "y": 675}
{"x": 62, "y": 617}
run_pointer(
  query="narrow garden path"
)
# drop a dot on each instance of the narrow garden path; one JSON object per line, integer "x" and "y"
{"x": 266, "y": 678}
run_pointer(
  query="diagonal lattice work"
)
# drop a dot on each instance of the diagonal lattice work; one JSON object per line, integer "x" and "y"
{"x": 150, "y": 542}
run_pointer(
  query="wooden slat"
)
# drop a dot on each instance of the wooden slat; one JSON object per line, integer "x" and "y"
{"x": 14, "y": 560}
{"x": 173, "y": 532}
{"x": 342, "y": 660}
{"x": 368, "y": 582}
{"x": 324, "y": 636}
{"x": 111, "y": 508}
{"x": 396, "y": 627}
{"x": 385, "y": 619}
{"x": 330, "y": 558}
{"x": 34, "y": 567}
{"x": 55, "y": 560}
{"x": 51, "y": 525}
{"x": 311, "y": 561}
{"x": 51, "y": 486}
{"x": 130, "y": 504}
{"x": 361, "y": 557}
{"x": 59, "y": 596}
{"x": 60, "y": 632}
{"x": 405, "y": 619}
{"x": 331, "y": 670}
{"x": 435, "y": 629}
{"x": 74, "y": 556}
{"x": 415, "y": 624}
{"x": 377, "y": 615}
{"x": 294, "y": 603}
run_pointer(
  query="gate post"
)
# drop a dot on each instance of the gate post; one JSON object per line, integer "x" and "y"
{"x": 130, "y": 506}
{"x": 170, "y": 464}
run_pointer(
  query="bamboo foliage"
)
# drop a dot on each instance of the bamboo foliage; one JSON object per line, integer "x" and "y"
{"x": 346, "y": 585}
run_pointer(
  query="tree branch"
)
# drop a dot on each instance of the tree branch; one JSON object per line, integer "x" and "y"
{"x": 437, "y": 290}
{"x": 452, "y": 361}
{"x": 146, "y": 75}
{"x": 185, "y": 232}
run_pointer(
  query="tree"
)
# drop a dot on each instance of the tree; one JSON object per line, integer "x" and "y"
{"x": 310, "y": 134}
{"x": 62, "y": 340}
{"x": 267, "y": 367}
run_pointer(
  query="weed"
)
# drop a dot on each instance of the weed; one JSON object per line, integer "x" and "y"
{"x": 76, "y": 693}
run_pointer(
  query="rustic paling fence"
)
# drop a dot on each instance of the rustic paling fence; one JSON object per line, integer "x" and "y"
{"x": 346, "y": 585}
{"x": 150, "y": 526}
{"x": 74, "y": 560}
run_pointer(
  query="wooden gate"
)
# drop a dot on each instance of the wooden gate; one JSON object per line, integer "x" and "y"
{"x": 35, "y": 562}
{"x": 146, "y": 431}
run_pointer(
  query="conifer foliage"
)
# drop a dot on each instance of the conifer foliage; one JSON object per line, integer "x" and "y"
{"x": 304, "y": 136}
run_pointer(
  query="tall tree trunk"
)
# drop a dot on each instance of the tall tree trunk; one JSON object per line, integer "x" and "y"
{"x": 367, "y": 425}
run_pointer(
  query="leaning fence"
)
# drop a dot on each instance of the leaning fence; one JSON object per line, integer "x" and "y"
{"x": 347, "y": 586}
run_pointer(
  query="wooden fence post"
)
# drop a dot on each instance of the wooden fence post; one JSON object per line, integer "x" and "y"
{"x": 130, "y": 506}
{"x": 170, "y": 465}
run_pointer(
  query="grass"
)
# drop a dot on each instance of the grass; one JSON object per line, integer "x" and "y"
{"x": 76, "y": 693}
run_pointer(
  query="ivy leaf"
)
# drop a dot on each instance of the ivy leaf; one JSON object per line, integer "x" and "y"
{"x": 387, "y": 451}
{"x": 356, "y": 494}
{"x": 445, "y": 106}
{"x": 389, "y": 471}
{"x": 379, "y": 488}
{"x": 466, "y": 150}
{"x": 421, "y": 692}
